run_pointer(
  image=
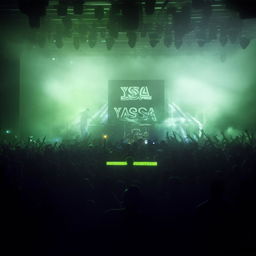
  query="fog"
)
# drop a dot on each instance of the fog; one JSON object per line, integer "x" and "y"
{"x": 57, "y": 85}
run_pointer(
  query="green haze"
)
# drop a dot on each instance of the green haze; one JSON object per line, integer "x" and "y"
{"x": 57, "y": 85}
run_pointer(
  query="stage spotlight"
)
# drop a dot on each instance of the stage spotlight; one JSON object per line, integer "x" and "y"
{"x": 105, "y": 136}
{"x": 186, "y": 13}
{"x": 153, "y": 42}
{"x": 34, "y": 10}
{"x": 244, "y": 42}
{"x": 150, "y": 7}
{"x": 182, "y": 21}
{"x": 92, "y": 38}
{"x": 78, "y": 6}
{"x": 92, "y": 42}
{"x": 110, "y": 42}
{"x": 130, "y": 18}
{"x": 62, "y": 8}
{"x": 76, "y": 42}
{"x": 153, "y": 39}
{"x": 168, "y": 40}
{"x": 53, "y": 58}
{"x": 99, "y": 12}
{"x": 113, "y": 25}
{"x": 132, "y": 38}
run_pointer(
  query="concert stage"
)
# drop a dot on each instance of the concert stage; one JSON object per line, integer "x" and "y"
{"x": 137, "y": 110}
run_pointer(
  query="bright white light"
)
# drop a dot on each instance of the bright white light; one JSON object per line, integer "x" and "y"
{"x": 56, "y": 140}
{"x": 53, "y": 58}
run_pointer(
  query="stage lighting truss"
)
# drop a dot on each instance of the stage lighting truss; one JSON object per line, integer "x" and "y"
{"x": 76, "y": 42}
{"x": 171, "y": 22}
{"x": 244, "y": 42}
{"x": 34, "y": 10}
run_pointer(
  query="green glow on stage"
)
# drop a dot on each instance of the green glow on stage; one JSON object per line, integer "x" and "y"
{"x": 144, "y": 163}
{"x": 57, "y": 86}
{"x": 109, "y": 163}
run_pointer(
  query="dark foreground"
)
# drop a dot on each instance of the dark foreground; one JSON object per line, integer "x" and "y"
{"x": 61, "y": 199}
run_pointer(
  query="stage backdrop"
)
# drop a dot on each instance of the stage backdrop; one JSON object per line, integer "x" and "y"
{"x": 140, "y": 101}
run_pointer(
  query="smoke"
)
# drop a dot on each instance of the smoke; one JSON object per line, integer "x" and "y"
{"x": 57, "y": 85}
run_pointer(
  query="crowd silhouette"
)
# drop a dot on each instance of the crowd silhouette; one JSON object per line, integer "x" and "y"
{"x": 62, "y": 199}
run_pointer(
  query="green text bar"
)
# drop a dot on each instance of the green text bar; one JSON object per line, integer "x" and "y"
{"x": 116, "y": 163}
{"x": 144, "y": 163}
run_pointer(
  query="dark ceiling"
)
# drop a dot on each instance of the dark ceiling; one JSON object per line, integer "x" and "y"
{"x": 126, "y": 23}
